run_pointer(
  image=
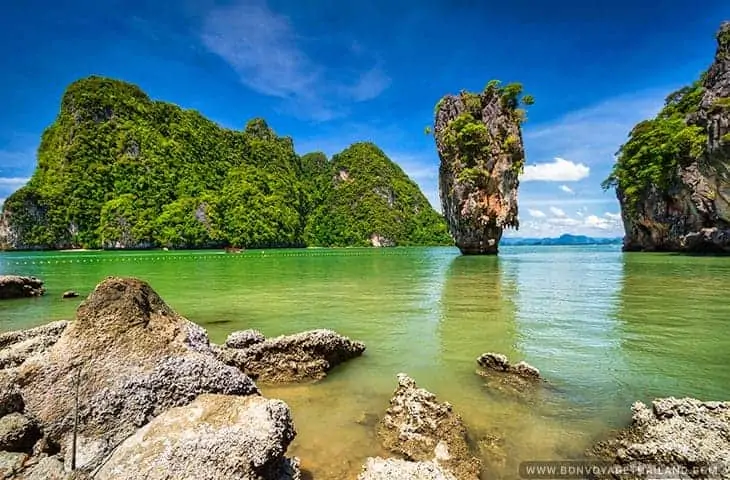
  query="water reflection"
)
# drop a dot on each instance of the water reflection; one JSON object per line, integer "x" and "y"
{"x": 674, "y": 326}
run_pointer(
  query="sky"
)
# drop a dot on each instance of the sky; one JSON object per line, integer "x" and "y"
{"x": 329, "y": 73}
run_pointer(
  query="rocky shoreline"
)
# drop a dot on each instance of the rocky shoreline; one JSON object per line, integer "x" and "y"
{"x": 130, "y": 389}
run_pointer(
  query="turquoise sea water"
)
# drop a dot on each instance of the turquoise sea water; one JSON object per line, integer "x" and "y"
{"x": 604, "y": 327}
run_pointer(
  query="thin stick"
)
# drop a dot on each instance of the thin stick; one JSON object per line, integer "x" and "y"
{"x": 76, "y": 420}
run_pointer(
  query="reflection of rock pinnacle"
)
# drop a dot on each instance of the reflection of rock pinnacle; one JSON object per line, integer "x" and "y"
{"x": 479, "y": 141}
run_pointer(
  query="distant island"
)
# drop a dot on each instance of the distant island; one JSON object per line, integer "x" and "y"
{"x": 566, "y": 239}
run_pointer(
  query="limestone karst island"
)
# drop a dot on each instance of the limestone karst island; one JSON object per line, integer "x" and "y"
{"x": 275, "y": 240}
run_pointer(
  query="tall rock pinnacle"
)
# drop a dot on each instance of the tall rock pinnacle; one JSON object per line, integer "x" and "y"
{"x": 479, "y": 142}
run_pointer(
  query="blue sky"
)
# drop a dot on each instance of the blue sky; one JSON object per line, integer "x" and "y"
{"x": 329, "y": 73}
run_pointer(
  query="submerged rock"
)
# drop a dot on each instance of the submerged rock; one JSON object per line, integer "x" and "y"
{"x": 15, "y": 286}
{"x": 289, "y": 358}
{"x": 420, "y": 429}
{"x": 214, "y": 437}
{"x": 683, "y": 434}
{"x": 499, "y": 363}
{"x": 127, "y": 358}
{"x": 502, "y": 376}
{"x": 479, "y": 142}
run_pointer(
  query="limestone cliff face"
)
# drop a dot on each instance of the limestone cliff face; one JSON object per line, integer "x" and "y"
{"x": 691, "y": 212}
{"x": 479, "y": 142}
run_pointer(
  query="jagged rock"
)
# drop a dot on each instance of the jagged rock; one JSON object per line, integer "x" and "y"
{"x": 214, "y": 437}
{"x": 11, "y": 463}
{"x": 673, "y": 433}
{"x": 11, "y": 401}
{"x": 421, "y": 429}
{"x": 396, "y": 469}
{"x": 15, "y": 286}
{"x": 18, "y": 433}
{"x": 244, "y": 339}
{"x": 46, "y": 468}
{"x": 17, "y": 346}
{"x": 692, "y": 211}
{"x": 70, "y": 294}
{"x": 129, "y": 357}
{"x": 479, "y": 142}
{"x": 499, "y": 363}
{"x": 291, "y": 358}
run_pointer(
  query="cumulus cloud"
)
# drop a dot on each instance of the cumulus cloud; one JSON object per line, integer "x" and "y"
{"x": 536, "y": 213}
{"x": 557, "y": 212}
{"x": 566, "y": 189}
{"x": 264, "y": 49}
{"x": 613, "y": 216}
{"x": 13, "y": 181}
{"x": 559, "y": 170}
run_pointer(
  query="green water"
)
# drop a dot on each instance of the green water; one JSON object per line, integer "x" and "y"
{"x": 605, "y": 328}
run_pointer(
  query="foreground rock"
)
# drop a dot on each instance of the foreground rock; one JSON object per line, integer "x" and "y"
{"x": 397, "y": 469}
{"x": 216, "y": 437}
{"x": 673, "y": 433}
{"x": 427, "y": 434}
{"x": 288, "y": 358}
{"x": 479, "y": 142}
{"x": 678, "y": 197}
{"x": 14, "y": 286}
{"x": 127, "y": 358}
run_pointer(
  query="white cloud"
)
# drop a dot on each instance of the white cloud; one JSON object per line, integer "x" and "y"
{"x": 557, "y": 212}
{"x": 536, "y": 213}
{"x": 613, "y": 216}
{"x": 559, "y": 170}
{"x": 593, "y": 134}
{"x": 13, "y": 181}
{"x": 566, "y": 189}
{"x": 263, "y": 48}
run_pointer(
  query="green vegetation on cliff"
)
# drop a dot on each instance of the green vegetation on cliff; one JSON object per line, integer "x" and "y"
{"x": 362, "y": 193}
{"x": 117, "y": 169}
{"x": 466, "y": 136}
{"x": 657, "y": 147}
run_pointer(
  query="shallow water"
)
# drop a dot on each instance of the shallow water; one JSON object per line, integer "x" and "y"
{"x": 605, "y": 328}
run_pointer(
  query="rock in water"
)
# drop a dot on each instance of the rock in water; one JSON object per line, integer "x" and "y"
{"x": 216, "y": 437}
{"x": 131, "y": 358}
{"x": 15, "y": 286}
{"x": 672, "y": 177}
{"x": 396, "y": 469}
{"x": 499, "y": 363}
{"x": 683, "y": 434}
{"x": 288, "y": 358}
{"x": 422, "y": 430}
{"x": 479, "y": 142}
{"x": 70, "y": 294}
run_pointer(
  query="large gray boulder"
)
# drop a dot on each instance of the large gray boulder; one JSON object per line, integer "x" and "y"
{"x": 127, "y": 358}
{"x": 216, "y": 437}
{"x": 288, "y": 358}
{"x": 673, "y": 434}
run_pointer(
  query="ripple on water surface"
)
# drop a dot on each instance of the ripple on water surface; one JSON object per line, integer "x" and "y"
{"x": 605, "y": 328}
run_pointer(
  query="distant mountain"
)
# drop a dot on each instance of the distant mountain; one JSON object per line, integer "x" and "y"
{"x": 565, "y": 239}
